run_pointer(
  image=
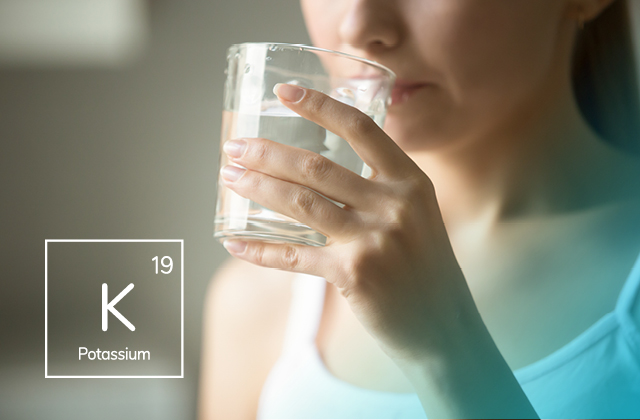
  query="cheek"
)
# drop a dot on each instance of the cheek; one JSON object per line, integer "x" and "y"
{"x": 501, "y": 57}
{"x": 489, "y": 62}
{"x": 322, "y": 19}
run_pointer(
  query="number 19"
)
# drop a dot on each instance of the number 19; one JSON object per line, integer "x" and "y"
{"x": 168, "y": 265}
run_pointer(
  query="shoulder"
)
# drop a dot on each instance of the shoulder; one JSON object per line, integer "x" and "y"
{"x": 246, "y": 310}
{"x": 243, "y": 289}
{"x": 635, "y": 304}
{"x": 631, "y": 239}
{"x": 622, "y": 183}
{"x": 248, "y": 300}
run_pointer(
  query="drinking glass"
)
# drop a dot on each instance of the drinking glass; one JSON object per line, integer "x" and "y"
{"x": 251, "y": 109}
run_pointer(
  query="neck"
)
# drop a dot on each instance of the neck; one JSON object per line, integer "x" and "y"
{"x": 534, "y": 167}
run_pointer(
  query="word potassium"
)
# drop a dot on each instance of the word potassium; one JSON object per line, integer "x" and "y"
{"x": 125, "y": 354}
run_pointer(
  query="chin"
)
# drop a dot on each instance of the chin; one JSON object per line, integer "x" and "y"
{"x": 413, "y": 136}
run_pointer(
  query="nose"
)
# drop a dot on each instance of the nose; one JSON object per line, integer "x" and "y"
{"x": 371, "y": 25}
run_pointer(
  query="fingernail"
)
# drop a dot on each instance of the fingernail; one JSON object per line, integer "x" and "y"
{"x": 235, "y": 247}
{"x": 232, "y": 173}
{"x": 235, "y": 148}
{"x": 290, "y": 93}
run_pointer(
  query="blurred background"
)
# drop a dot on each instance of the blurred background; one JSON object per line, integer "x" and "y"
{"x": 109, "y": 128}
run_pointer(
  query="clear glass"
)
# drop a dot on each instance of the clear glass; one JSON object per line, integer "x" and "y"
{"x": 251, "y": 109}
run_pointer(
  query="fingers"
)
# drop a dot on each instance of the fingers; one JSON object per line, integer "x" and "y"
{"x": 296, "y": 258}
{"x": 303, "y": 167}
{"x": 366, "y": 138}
{"x": 292, "y": 200}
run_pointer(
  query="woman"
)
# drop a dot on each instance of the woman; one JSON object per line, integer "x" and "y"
{"x": 483, "y": 269}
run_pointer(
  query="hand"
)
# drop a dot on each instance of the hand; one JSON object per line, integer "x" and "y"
{"x": 387, "y": 250}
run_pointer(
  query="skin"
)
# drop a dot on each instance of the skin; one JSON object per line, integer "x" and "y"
{"x": 467, "y": 166}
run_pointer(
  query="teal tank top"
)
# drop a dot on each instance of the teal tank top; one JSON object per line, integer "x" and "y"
{"x": 597, "y": 375}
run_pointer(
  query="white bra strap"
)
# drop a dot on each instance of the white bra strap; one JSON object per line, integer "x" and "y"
{"x": 307, "y": 302}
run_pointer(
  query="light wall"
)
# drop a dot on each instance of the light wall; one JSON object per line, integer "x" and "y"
{"x": 125, "y": 152}
{"x": 117, "y": 151}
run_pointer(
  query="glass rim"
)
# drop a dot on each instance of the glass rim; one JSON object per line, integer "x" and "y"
{"x": 298, "y": 47}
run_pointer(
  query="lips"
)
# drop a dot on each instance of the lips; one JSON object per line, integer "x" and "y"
{"x": 403, "y": 90}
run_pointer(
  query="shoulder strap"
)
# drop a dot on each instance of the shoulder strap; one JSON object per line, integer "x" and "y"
{"x": 628, "y": 297}
{"x": 307, "y": 301}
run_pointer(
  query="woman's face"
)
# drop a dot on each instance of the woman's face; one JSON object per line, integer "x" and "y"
{"x": 465, "y": 67}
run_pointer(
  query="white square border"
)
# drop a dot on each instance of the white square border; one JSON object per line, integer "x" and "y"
{"x": 46, "y": 308}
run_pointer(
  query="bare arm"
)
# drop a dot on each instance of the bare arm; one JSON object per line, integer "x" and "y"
{"x": 244, "y": 318}
{"x": 470, "y": 380}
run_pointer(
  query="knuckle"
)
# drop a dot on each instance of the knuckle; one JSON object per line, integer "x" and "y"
{"x": 398, "y": 215}
{"x": 303, "y": 200}
{"x": 252, "y": 181}
{"x": 419, "y": 187}
{"x": 383, "y": 240}
{"x": 259, "y": 255}
{"x": 401, "y": 232}
{"x": 315, "y": 103}
{"x": 362, "y": 125}
{"x": 426, "y": 184}
{"x": 315, "y": 167}
{"x": 259, "y": 151}
{"x": 290, "y": 258}
{"x": 398, "y": 206}
{"x": 408, "y": 198}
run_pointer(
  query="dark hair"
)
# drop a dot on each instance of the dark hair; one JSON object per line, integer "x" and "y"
{"x": 604, "y": 77}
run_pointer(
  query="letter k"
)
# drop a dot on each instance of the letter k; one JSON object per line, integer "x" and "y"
{"x": 106, "y": 307}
